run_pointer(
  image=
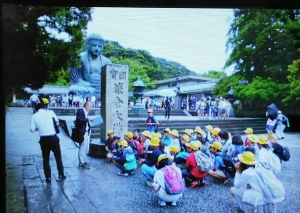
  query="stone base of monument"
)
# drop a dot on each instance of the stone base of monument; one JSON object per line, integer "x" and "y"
{"x": 97, "y": 149}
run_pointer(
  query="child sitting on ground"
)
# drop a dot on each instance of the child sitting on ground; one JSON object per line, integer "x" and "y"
{"x": 127, "y": 161}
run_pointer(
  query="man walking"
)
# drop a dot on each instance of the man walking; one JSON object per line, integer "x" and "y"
{"x": 83, "y": 122}
{"x": 34, "y": 99}
{"x": 42, "y": 121}
{"x": 167, "y": 107}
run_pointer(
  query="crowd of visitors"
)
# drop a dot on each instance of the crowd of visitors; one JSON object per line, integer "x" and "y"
{"x": 172, "y": 161}
{"x": 66, "y": 100}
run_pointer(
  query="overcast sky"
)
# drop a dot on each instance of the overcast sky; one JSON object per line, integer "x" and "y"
{"x": 195, "y": 38}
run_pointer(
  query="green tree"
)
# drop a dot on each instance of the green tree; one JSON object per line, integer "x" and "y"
{"x": 265, "y": 47}
{"x": 30, "y": 52}
{"x": 214, "y": 74}
{"x": 262, "y": 42}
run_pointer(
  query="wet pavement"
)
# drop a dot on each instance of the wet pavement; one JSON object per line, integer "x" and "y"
{"x": 100, "y": 189}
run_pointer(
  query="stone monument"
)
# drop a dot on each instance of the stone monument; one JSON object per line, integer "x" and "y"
{"x": 114, "y": 99}
{"x": 86, "y": 79}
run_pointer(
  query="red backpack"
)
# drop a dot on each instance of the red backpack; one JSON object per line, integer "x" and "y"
{"x": 139, "y": 148}
{"x": 173, "y": 181}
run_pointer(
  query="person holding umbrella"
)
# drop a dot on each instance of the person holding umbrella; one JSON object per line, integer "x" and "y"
{"x": 271, "y": 115}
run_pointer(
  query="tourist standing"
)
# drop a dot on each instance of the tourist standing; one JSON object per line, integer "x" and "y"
{"x": 280, "y": 126}
{"x": 151, "y": 121}
{"x": 167, "y": 107}
{"x": 183, "y": 104}
{"x": 83, "y": 122}
{"x": 42, "y": 121}
{"x": 34, "y": 99}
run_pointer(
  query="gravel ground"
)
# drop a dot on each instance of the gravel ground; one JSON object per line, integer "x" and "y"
{"x": 108, "y": 192}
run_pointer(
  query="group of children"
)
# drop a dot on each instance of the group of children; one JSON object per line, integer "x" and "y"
{"x": 154, "y": 151}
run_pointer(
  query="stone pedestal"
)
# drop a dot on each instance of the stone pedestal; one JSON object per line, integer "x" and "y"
{"x": 114, "y": 99}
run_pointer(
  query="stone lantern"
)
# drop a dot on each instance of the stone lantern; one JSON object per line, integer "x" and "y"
{"x": 138, "y": 93}
{"x": 230, "y": 98}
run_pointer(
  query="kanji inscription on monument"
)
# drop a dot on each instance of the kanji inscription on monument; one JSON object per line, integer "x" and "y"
{"x": 114, "y": 99}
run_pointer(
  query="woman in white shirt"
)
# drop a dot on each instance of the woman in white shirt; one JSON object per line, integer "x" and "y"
{"x": 247, "y": 190}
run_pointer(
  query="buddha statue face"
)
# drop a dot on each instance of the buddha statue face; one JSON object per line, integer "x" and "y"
{"x": 95, "y": 47}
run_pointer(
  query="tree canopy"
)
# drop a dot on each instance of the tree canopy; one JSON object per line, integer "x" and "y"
{"x": 265, "y": 45}
{"x": 30, "y": 51}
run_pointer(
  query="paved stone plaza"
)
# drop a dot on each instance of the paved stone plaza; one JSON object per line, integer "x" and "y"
{"x": 100, "y": 189}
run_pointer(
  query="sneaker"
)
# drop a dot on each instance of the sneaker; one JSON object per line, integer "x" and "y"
{"x": 132, "y": 173}
{"x": 149, "y": 183}
{"x": 123, "y": 174}
{"x": 48, "y": 180}
{"x": 174, "y": 203}
{"x": 194, "y": 184}
{"x": 161, "y": 202}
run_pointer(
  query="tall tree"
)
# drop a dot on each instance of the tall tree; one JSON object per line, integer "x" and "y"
{"x": 262, "y": 42}
{"x": 30, "y": 51}
{"x": 214, "y": 74}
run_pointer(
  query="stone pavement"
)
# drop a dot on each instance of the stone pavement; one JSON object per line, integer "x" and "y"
{"x": 100, "y": 189}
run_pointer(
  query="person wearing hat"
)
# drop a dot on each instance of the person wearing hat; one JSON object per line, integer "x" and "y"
{"x": 184, "y": 140}
{"x": 208, "y": 134}
{"x": 194, "y": 134}
{"x": 146, "y": 137}
{"x": 215, "y": 134}
{"x": 128, "y": 136}
{"x": 159, "y": 180}
{"x": 249, "y": 199}
{"x": 253, "y": 143}
{"x": 248, "y": 131}
{"x": 126, "y": 160}
{"x": 34, "y": 100}
{"x": 42, "y": 121}
{"x": 191, "y": 172}
{"x": 151, "y": 121}
{"x": 265, "y": 157}
{"x": 148, "y": 165}
{"x": 200, "y": 136}
{"x": 175, "y": 141}
{"x": 111, "y": 145}
{"x": 173, "y": 151}
{"x": 166, "y": 138}
{"x": 218, "y": 171}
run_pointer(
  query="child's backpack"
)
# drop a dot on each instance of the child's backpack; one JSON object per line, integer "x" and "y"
{"x": 204, "y": 160}
{"x": 285, "y": 155}
{"x": 173, "y": 181}
{"x": 273, "y": 191}
{"x": 139, "y": 148}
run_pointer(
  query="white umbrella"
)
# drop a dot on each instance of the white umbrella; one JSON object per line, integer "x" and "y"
{"x": 166, "y": 92}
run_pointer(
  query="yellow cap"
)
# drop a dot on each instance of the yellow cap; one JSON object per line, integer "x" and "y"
{"x": 193, "y": 145}
{"x": 174, "y": 149}
{"x": 198, "y": 143}
{"x": 163, "y": 156}
{"x": 216, "y": 131}
{"x": 110, "y": 131}
{"x": 167, "y": 130}
{"x": 262, "y": 140}
{"x": 154, "y": 141}
{"x": 252, "y": 138}
{"x": 123, "y": 143}
{"x": 272, "y": 136}
{"x": 217, "y": 145}
{"x": 147, "y": 134}
{"x": 45, "y": 101}
{"x": 186, "y": 138}
{"x": 201, "y": 132}
{"x": 158, "y": 135}
{"x": 247, "y": 158}
{"x": 209, "y": 127}
{"x": 174, "y": 132}
{"x": 150, "y": 110}
{"x": 249, "y": 131}
{"x": 129, "y": 134}
{"x": 197, "y": 128}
